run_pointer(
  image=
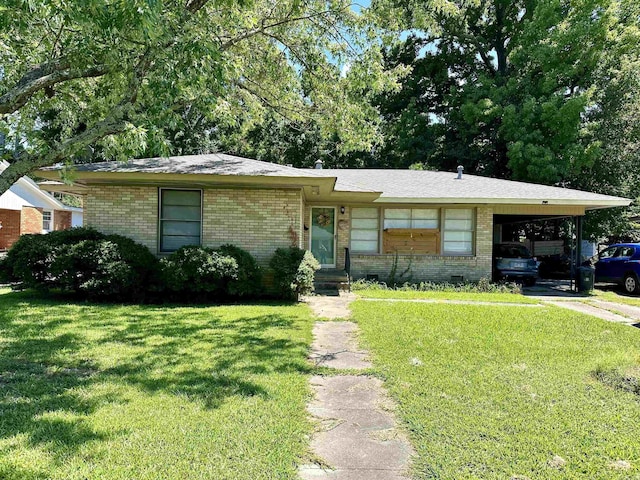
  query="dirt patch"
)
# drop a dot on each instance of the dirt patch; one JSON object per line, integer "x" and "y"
{"x": 627, "y": 380}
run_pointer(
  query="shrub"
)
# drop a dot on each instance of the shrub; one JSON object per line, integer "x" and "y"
{"x": 248, "y": 282}
{"x": 197, "y": 271}
{"x": 29, "y": 259}
{"x": 85, "y": 261}
{"x": 113, "y": 267}
{"x": 294, "y": 270}
{"x": 484, "y": 285}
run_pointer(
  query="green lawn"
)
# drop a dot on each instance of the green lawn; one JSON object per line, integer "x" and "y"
{"x": 126, "y": 392}
{"x": 435, "y": 295}
{"x": 611, "y": 296}
{"x": 497, "y": 392}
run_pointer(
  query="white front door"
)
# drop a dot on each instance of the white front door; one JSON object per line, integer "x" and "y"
{"x": 323, "y": 235}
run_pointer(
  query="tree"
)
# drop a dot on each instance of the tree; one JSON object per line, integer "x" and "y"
{"x": 122, "y": 78}
{"x": 499, "y": 86}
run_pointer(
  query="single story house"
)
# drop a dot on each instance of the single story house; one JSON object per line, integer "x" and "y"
{"x": 25, "y": 208}
{"x": 426, "y": 225}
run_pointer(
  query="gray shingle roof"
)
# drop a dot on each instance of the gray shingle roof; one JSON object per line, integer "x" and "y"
{"x": 444, "y": 185}
{"x": 209, "y": 164}
{"x": 398, "y": 185}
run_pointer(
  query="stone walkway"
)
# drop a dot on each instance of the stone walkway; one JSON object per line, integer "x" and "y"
{"x": 357, "y": 437}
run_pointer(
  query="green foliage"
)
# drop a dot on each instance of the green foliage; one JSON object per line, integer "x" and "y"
{"x": 200, "y": 273}
{"x": 85, "y": 262}
{"x": 484, "y": 285}
{"x": 294, "y": 271}
{"x": 89, "y": 80}
{"x": 29, "y": 259}
{"x": 248, "y": 280}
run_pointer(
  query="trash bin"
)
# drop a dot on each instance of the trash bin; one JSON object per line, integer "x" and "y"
{"x": 585, "y": 279}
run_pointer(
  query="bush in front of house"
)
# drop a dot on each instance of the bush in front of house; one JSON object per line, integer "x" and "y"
{"x": 198, "y": 273}
{"x": 294, "y": 271}
{"x": 86, "y": 262}
{"x": 484, "y": 285}
{"x": 114, "y": 267}
{"x": 29, "y": 259}
{"x": 248, "y": 282}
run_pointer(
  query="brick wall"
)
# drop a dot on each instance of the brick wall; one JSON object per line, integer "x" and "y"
{"x": 30, "y": 220}
{"x": 10, "y": 231}
{"x": 258, "y": 220}
{"x": 61, "y": 219}
{"x": 128, "y": 211}
{"x": 439, "y": 268}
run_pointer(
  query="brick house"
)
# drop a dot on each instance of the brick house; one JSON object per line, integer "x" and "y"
{"x": 433, "y": 225}
{"x": 24, "y": 208}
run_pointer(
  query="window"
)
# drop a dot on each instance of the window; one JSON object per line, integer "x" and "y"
{"x": 411, "y": 218}
{"x": 47, "y": 220}
{"x": 180, "y": 218}
{"x": 608, "y": 253}
{"x": 364, "y": 230}
{"x": 625, "y": 252}
{"x": 458, "y": 231}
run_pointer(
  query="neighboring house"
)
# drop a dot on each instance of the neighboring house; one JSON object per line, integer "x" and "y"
{"x": 24, "y": 208}
{"x": 423, "y": 225}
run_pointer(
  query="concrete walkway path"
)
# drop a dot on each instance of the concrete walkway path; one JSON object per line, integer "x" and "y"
{"x": 454, "y": 302}
{"x": 595, "y": 311}
{"x": 357, "y": 437}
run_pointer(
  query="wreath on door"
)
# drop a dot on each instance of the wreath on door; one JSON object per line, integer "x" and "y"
{"x": 324, "y": 219}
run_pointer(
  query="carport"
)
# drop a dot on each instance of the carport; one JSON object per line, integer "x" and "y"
{"x": 560, "y": 234}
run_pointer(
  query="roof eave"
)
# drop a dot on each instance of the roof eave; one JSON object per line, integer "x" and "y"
{"x": 589, "y": 204}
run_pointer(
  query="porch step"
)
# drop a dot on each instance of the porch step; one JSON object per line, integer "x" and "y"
{"x": 331, "y": 280}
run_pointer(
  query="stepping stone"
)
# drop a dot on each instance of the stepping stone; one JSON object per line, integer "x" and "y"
{"x": 335, "y": 346}
{"x": 359, "y": 439}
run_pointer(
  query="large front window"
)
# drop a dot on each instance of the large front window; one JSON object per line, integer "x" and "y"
{"x": 458, "y": 231}
{"x": 420, "y": 231}
{"x": 180, "y": 218}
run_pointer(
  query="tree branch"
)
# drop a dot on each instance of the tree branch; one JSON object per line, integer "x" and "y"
{"x": 41, "y": 77}
{"x": 257, "y": 31}
{"x": 27, "y": 162}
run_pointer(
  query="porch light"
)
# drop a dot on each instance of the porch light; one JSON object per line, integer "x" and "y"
{"x": 342, "y": 210}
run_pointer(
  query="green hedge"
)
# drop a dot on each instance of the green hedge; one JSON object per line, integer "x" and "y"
{"x": 294, "y": 271}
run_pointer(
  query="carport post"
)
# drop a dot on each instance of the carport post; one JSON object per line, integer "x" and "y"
{"x": 578, "y": 223}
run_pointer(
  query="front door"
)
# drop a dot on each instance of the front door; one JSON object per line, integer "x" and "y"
{"x": 323, "y": 235}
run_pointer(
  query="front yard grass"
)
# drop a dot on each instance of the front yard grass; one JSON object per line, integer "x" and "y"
{"x": 438, "y": 295}
{"x": 148, "y": 392}
{"x": 611, "y": 296}
{"x": 499, "y": 392}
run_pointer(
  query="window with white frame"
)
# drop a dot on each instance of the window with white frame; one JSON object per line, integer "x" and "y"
{"x": 411, "y": 218}
{"x": 458, "y": 229}
{"x": 365, "y": 232}
{"x": 180, "y": 218}
{"x": 47, "y": 220}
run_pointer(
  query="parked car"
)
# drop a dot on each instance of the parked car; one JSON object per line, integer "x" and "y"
{"x": 620, "y": 264}
{"x": 513, "y": 261}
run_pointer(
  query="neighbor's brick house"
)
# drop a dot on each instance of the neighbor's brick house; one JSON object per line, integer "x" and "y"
{"x": 25, "y": 208}
{"x": 426, "y": 225}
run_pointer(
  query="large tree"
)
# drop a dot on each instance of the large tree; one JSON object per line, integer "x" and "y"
{"x": 502, "y": 86}
{"x": 125, "y": 78}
